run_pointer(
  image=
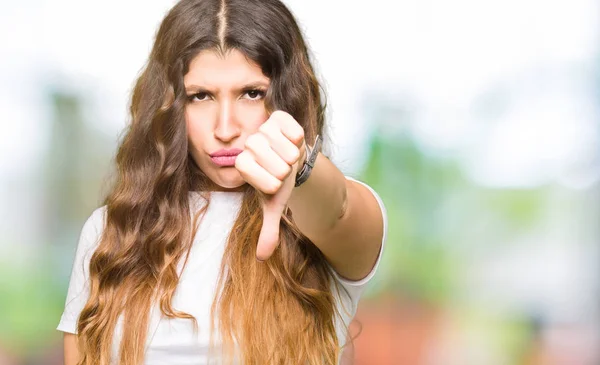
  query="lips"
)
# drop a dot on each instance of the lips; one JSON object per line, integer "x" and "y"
{"x": 225, "y": 158}
{"x": 226, "y": 153}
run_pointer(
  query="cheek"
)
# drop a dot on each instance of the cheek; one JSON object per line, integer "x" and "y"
{"x": 253, "y": 116}
{"x": 193, "y": 118}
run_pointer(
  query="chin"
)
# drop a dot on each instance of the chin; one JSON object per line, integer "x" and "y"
{"x": 229, "y": 181}
{"x": 231, "y": 185}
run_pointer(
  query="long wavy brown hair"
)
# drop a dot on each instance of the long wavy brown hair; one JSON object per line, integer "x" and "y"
{"x": 278, "y": 312}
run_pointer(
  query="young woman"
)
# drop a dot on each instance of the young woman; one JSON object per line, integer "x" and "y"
{"x": 227, "y": 236}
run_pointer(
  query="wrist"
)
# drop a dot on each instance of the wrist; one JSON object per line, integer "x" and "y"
{"x": 303, "y": 156}
{"x": 310, "y": 157}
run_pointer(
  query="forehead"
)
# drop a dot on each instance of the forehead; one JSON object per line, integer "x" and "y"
{"x": 210, "y": 68}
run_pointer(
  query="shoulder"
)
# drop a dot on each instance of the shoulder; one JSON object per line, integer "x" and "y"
{"x": 96, "y": 219}
{"x": 375, "y": 195}
{"x": 94, "y": 225}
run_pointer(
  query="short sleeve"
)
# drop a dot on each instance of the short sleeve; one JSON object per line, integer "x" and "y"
{"x": 356, "y": 288}
{"x": 79, "y": 286}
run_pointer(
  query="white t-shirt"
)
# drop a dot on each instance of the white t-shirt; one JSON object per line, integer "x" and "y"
{"x": 172, "y": 341}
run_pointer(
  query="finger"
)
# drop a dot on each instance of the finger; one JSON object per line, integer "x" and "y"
{"x": 290, "y": 128}
{"x": 268, "y": 239}
{"x": 258, "y": 145}
{"x": 279, "y": 143}
{"x": 256, "y": 175}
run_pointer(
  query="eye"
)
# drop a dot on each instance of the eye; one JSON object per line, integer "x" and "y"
{"x": 201, "y": 96}
{"x": 255, "y": 94}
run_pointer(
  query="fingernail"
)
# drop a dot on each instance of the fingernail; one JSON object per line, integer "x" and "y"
{"x": 259, "y": 260}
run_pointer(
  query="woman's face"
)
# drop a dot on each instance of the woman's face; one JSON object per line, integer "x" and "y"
{"x": 225, "y": 105}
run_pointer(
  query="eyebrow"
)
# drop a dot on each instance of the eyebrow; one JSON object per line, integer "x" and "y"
{"x": 249, "y": 86}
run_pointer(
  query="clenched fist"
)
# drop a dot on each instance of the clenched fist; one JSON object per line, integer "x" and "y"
{"x": 269, "y": 163}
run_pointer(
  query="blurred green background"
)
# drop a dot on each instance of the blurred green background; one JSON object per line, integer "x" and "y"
{"x": 476, "y": 122}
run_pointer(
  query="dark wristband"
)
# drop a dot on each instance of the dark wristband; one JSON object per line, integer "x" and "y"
{"x": 308, "y": 165}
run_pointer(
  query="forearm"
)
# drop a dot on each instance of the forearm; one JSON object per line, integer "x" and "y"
{"x": 318, "y": 203}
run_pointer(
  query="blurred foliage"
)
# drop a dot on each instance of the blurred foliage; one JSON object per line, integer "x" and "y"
{"x": 74, "y": 173}
{"x": 436, "y": 217}
{"x": 412, "y": 186}
{"x": 34, "y": 301}
{"x": 76, "y": 167}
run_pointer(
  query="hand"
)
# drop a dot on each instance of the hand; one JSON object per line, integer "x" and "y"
{"x": 269, "y": 163}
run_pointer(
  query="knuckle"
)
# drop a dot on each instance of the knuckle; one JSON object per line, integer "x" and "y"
{"x": 267, "y": 132}
{"x": 240, "y": 161}
{"x": 265, "y": 127}
{"x": 292, "y": 156}
{"x": 248, "y": 142}
{"x": 295, "y": 155}
{"x": 279, "y": 114}
{"x": 261, "y": 138}
{"x": 284, "y": 172}
{"x": 253, "y": 141}
{"x": 274, "y": 187}
{"x": 298, "y": 138}
{"x": 283, "y": 118}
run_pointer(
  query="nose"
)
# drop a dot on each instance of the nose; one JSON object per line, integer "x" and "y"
{"x": 227, "y": 127}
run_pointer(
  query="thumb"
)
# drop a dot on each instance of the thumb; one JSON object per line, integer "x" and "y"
{"x": 273, "y": 208}
{"x": 268, "y": 239}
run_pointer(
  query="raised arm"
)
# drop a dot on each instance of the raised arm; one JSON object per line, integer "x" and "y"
{"x": 342, "y": 217}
